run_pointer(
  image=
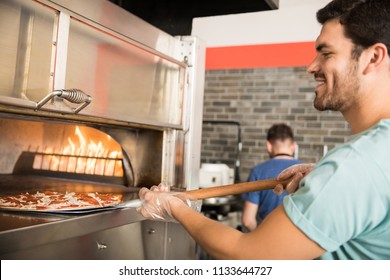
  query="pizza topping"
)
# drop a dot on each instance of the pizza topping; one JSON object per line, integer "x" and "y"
{"x": 49, "y": 200}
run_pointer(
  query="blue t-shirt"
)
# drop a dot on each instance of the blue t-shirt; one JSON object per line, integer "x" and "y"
{"x": 343, "y": 204}
{"x": 267, "y": 200}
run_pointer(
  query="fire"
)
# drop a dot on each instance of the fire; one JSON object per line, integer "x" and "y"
{"x": 83, "y": 155}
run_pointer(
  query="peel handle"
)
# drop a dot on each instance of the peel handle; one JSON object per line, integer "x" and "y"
{"x": 234, "y": 189}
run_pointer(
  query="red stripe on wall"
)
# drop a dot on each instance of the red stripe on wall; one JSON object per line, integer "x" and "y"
{"x": 260, "y": 56}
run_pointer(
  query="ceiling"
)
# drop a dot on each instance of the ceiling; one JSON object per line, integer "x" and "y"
{"x": 175, "y": 16}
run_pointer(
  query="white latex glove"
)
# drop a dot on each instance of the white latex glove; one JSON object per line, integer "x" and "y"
{"x": 157, "y": 202}
{"x": 295, "y": 173}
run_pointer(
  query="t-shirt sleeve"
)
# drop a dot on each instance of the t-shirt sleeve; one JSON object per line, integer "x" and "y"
{"x": 253, "y": 197}
{"x": 331, "y": 206}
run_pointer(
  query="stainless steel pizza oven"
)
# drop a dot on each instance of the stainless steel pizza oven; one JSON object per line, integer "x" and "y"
{"x": 93, "y": 99}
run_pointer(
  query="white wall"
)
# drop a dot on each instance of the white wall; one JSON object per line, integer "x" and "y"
{"x": 294, "y": 21}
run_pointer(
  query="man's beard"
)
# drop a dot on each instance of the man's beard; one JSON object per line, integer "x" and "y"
{"x": 343, "y": 95}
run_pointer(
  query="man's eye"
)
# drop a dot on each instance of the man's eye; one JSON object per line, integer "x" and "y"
{"x": 326, "y": 54}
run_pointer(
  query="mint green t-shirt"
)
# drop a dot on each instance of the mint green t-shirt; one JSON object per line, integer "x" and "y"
{"x": 343, "y": 204}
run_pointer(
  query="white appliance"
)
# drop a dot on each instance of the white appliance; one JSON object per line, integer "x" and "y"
{"x": 215, "y": 174}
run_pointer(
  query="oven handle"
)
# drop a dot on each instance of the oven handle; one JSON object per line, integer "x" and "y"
{"x": 72, "y": 95}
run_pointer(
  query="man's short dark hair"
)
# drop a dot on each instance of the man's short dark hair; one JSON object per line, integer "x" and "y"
{"x": 279, "y": 131}
{"x": 366, "y": 22}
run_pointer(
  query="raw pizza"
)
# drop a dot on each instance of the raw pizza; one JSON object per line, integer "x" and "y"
{"x": 49, "y": 201}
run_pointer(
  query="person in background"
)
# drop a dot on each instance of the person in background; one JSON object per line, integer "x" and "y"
{"x": 281, "y": 148}
{"x": 341, "y": 207}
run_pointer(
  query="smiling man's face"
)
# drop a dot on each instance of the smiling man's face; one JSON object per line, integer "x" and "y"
{"x": 335, "y": 70}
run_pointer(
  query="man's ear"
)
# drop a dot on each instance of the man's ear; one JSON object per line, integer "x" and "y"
{"x": 375, "y": 56}
{"x": 293, "y": 146}
{"x": 269, "y": 147}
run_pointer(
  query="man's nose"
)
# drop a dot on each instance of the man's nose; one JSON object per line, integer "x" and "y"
{"x": 313, "y": 66}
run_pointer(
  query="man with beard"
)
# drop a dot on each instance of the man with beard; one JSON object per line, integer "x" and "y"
{"x": 341, "y": 208}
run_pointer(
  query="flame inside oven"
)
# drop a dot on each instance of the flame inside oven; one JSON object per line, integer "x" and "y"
{"x": 84, "y": 153}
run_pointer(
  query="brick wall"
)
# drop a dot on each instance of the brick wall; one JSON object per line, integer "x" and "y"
{"x": 256, "y": 99}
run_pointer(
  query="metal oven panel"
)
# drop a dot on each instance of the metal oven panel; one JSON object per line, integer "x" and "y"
{"x": 107, "y": 235}
{"x": 26, "y": 55}
{"x": 128, "y": 82}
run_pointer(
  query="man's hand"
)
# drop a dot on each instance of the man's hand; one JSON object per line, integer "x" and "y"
{"x": 157, "y": 203}
{"x": 295, "y": 173}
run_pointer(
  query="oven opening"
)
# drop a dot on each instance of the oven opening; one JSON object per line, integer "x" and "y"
{"x": 44, "y": 154}
{"x": 83, "y": 153}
